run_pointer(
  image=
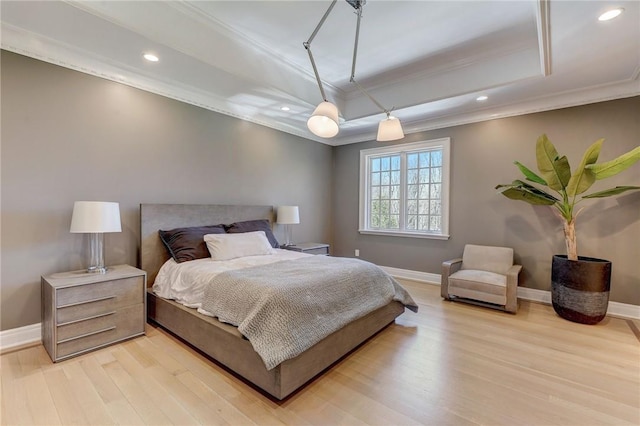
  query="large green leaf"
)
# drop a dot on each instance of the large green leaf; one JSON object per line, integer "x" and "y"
{"x": 615, "y": 166}
{"x": 529, "y": 174}
{"x": 613, "y": 191}
{"x": 583, "y": 178}
{"x": 533, "y": 189}
{"x": 521, "y": 191}
{"x": 555, "y": 170}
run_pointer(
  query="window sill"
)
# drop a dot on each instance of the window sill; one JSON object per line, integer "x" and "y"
{"x": 404, "y": 234}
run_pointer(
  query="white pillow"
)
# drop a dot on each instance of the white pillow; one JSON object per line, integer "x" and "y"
{"x": 231, "y": 246}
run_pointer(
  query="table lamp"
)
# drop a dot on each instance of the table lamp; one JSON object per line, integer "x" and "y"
{"x": 287, "y": 216}
{"x": 95, "y": 218}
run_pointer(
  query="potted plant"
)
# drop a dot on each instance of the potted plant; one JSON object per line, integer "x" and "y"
{"x": 579, "y": 285}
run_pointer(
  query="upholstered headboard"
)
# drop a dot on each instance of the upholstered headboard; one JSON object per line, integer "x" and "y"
{"x": 154, "y": 217}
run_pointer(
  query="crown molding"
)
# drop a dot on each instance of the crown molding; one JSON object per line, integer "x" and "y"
{"x": 42, "y": 48}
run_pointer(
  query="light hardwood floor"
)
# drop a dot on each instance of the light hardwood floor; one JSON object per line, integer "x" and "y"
{"x": 450, "y": 364}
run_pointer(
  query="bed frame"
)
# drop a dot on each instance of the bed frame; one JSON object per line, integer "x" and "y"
{"x": 222, "y": 341}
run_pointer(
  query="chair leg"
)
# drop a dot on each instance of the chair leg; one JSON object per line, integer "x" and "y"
{"x": 511, "y": 306}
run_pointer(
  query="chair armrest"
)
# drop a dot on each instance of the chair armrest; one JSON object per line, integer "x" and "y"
{"x": 513, "y": 272}
{"x": 448, "y": 267}
{"x": 512, "y": 288}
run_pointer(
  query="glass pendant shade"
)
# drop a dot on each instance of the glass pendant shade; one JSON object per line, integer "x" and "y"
{"x": 389, "y": 129}
{"x": 324, "y": 120}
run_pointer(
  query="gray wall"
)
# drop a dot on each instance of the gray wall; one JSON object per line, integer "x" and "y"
{"x": 482, "y": 156}
{"x": 68, "y": 136}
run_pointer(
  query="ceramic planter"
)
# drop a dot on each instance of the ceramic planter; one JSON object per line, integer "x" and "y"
{"x": 580, "y": 288}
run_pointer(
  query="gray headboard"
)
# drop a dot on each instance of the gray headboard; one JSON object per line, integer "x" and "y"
{"x": 154, "y": 217}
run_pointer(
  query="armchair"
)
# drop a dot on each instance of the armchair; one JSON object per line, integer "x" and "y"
{"x": 484, "y": 275}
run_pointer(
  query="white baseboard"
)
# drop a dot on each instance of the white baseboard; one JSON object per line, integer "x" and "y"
{"x": 31, "y": 334}
{"x": 616, "y": 309}
{"x": 21, "y": 336}
{"x": 421, "y": 277}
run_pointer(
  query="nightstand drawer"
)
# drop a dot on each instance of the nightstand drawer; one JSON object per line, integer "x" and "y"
{"x": 89, "y": 325}
{"x": 116, "y": 293}
{"x": 96, "y": 332}
{"x": 85, "y": 326}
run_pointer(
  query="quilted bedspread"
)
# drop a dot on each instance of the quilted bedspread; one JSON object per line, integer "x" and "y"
{"x": 286, "y": 307}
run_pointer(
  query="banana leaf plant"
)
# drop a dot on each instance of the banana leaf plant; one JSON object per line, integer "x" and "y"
{"x": 555, "y": 174}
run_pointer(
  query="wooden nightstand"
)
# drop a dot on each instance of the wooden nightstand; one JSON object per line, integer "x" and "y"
{"x": 309, "y": 248}
{"x": 82, "y": 311}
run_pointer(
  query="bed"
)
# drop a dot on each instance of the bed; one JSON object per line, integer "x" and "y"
{"x": 224, "y": 342}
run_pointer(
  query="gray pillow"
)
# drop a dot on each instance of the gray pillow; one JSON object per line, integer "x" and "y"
{"x": 185, "y": 244}
{"x": 254, "y": 225}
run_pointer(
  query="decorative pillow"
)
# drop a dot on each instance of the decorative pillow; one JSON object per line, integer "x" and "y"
{"x": 184, "y": 244}
{"x": 231, "y": 246}
{"x": 254, "y": 225}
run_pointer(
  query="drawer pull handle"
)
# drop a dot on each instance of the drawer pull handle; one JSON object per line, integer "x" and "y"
{"x": 87, "y": 334}
{"x": 86, "y": 319}
{"x": 87, "y": 301}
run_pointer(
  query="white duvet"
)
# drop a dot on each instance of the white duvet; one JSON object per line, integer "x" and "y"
{"x": 185, "y": 282}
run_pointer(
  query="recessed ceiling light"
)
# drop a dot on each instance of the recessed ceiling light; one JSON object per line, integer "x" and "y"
{"x": 285, "y": 108}
{"x": 482, "y": 98}
{"x": 610, "y": 14}
{"x": 151, "y": 57}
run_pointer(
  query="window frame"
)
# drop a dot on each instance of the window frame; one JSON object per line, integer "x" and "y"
{"x": 403, "y": 149}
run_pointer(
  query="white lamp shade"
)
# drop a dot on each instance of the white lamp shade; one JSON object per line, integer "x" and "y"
{"x": 288, "y": 215}
{"x": 324, "y": 120}
{"x": 390, "y": 129}
{"x": 95, "y": 217}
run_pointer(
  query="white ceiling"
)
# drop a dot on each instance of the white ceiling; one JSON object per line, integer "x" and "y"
{"x": 427, "y": 59}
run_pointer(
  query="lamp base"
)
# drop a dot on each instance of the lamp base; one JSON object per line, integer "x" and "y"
{"x": 96, "y": 254}
{"x": 287, "y": 235}
{"x": 97, "y": 270}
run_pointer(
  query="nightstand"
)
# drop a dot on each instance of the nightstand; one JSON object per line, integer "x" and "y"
{"x": 309, "y": 248}
{"x": 83, "y": 311}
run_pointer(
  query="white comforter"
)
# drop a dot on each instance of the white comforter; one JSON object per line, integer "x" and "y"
{"x": 185, "y": 282}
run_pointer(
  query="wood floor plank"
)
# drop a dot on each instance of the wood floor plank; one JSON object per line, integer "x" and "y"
{"x": 225, "y": 409}
{"x": 101, "y": 381}
{"x": 173, "y": 411}
{"x": 363, "y": 406}
{"x": 136, "y": 394}
{"x": 15, "y": 408}
{"x": 123, "y": 413}
{"x": 320, "y": 412}
{"x": 449, "y": 364}
{"x": 89, "y": 401}
{"x": 41, "y": 405}
{"x": 63, "y": 396}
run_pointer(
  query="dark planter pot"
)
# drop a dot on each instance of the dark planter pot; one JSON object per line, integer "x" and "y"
{"x": 580, "y": 288}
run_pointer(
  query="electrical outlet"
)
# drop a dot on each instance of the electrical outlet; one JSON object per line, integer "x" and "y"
{"x": 357, "y": 253}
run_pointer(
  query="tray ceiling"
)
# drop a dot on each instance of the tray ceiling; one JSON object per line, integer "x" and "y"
{"x": 429, "y": 60}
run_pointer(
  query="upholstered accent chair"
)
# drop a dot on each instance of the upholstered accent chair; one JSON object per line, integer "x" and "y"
{"x": 484, "y": 275}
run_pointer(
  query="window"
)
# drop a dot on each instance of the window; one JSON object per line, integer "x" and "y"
{"x": 404, "y": 190}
